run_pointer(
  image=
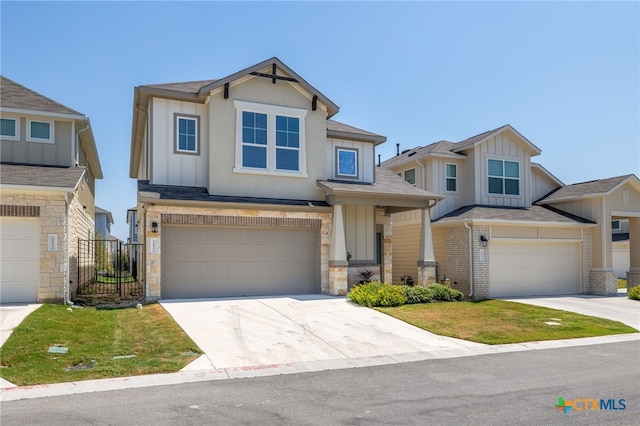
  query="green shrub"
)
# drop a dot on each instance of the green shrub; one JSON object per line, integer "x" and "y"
{"x": 417, "y": 294}
{"x": 444, "y": 293}
{"x": 377, "y": 294}
{"x": 634, "y": 293}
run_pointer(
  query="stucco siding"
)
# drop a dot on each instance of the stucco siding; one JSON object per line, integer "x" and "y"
{"x": 169, "y": 166}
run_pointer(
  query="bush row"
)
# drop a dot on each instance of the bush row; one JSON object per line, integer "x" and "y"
{"x": 380, "y": 294}
{"x": 634, "y": 293}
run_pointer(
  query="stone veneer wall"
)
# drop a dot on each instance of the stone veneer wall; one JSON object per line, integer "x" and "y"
{"x": 82, "y": 227}
{"x": 52, "y": 220}
{"x": 153, "y": 213}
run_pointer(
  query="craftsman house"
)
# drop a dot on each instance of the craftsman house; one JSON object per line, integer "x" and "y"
{"x": 47, "y": 192}
{"x": 507, "y": 226}
{"x": 246, "y": 186}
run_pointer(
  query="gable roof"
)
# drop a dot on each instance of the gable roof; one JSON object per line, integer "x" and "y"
{"x": 100, "y": 210}
{"x": 47, "y": 177}
{"x": 16, "y": 96}
{"x": 455, "y": 149}
{"x": 547, "y": 173}
{"x": 336, "y": 129}
{"x": 533, "y": 214}
{"x": 589, "y": 189}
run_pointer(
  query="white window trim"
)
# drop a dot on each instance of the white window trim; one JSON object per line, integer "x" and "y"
{"x": 519, "y": 179}
{"x": 41, "y": 140}
{"x": 16, "y": 137}
{"x": 346, "y": 175}
{"x": 177, "y": 149}
{"x": 446, "y": 165}
{"x": 271, "y": 111}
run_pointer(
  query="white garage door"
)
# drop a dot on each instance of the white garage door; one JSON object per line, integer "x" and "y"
{"x": 19, "y": 259}
{"x": 528, "y": 269}
{"x": 206, "y": 261}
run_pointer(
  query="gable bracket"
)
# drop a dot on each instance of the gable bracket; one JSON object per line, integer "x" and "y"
{"x": 314, "y": 102}
{"x": 274, "y": 75}
{"x": 226, "y": 90}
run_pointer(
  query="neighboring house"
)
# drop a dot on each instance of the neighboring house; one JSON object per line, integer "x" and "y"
{"x": 620, "y": 238}
{"x": 104, "y": 220}
{"x": 132, "y": 221}
{"x": 247, "y": 187}
{"x": 49, "y": 164}
{"x": 508, "y": 227}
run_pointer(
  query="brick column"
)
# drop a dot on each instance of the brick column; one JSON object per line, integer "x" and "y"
{"x": 153, "y": 254}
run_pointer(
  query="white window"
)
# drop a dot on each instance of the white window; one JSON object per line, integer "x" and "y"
{"x": 346, "y": 163}
{"x": 40, "y": 131}
{"x": 451, "y": 179}
{"x": 410, "y": 176}
{"x": 270, "y": 139}
{"x": 504, "y": 177}
{"x": 9, "y": 128}
{"x": 186, "y": 134}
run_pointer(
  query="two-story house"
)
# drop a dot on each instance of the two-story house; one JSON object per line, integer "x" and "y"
{"x": 104, "y": 220}
{"x": 49, "y": 164}
{"x": 246, "y": 186}
{"x": 507, "y": 226}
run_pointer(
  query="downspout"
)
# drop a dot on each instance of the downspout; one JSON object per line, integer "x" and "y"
{"x": 466, "y": 225}
{"x": 67, "y": 291}
{"x": 423, "y": 176}
{"x": 76, "y": 145}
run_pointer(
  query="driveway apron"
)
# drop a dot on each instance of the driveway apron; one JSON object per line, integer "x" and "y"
{"x": 245, "y": 332}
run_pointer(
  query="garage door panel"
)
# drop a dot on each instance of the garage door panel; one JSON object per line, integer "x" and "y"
{"x": 20, "y": 260}
{"x": 527, "y": 269}
{"x": 201, "y": 261}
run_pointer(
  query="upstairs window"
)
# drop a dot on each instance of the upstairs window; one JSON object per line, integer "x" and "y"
{"x": 615, "y": 225}
{"x": 186, "y": 137}
{"x": 40, "y": 131}
{"x": 451, "y": 177}
{"x": 504, "y": 177}
{"x": 346, "y": 163}
{"x": 270, "y": 139}
{"x": 9, "y": 128}
{"x": 410, "y": 176}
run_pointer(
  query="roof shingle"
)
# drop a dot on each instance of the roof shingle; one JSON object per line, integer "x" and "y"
{"x": 585, "y": 189}
{"x": 50, "y": 176}
{"x": 14, "y": 95}
{"x": 509, "y": 214}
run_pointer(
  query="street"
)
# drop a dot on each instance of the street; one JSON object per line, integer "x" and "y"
{"x": 507, "y": 388}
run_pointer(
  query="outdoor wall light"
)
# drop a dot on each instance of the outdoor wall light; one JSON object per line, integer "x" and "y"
{"x": 154, "y": 227}
{"x": 484, "y": 240}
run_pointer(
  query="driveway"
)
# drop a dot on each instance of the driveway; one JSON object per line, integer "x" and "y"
{"x": 617, "y": 308}
{"x": 11, "y": 315}
{"x": 251, "y": 332}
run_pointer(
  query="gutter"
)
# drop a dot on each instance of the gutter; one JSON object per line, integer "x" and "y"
{"x": 466, "y": 225}
{"x": 67, "y": 300}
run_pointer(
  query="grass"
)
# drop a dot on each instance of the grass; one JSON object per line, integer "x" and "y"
{"x": 622, "y": 283}
{"x": 103, "y": 279}
{"x": 94, "y": 337}
{"x": 497, "y": 322}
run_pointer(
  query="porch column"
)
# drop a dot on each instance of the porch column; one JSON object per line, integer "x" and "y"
{"x": 633, "y": 275}
{"x": 426, "y": 255}
{"x": 338, "y": 255}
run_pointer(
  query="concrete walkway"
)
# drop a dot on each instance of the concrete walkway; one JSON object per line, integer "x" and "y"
{"x": 618, "y": 308}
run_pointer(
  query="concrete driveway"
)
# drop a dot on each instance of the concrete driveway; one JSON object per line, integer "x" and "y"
{"x": 617, "y": 308}
{"x": 11, "y": 315}
{"x": 252, "y": 332}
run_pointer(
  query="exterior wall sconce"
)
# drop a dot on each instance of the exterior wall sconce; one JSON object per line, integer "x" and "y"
{"x": 154, "y": 227}
{"x": 484, "y": 240}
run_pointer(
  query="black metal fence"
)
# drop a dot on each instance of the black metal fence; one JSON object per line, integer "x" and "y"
{"x": 110, "y": 267}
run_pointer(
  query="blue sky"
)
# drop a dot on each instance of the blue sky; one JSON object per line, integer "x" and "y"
{"x": 565, "y": 74}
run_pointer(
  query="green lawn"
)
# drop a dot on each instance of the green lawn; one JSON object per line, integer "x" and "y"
{"x": 496, "y": 321}
{"x": 94, "y": 337}
{"x": 622, "y": 283}
{"x": 103, "y": 279}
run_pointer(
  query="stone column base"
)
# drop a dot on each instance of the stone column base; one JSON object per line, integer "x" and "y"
{"x": 338, "y": 279}
{"x": 426, "y": 273}
{"x": 603, "y": 283}
{"x": 633, "y": 279}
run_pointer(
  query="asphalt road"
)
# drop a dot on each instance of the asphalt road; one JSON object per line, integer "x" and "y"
{"x": 508, "y": 388}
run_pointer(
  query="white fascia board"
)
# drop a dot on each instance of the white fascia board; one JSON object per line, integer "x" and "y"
{"x": 43, "y": 113}
{"x": 35, "y": 188}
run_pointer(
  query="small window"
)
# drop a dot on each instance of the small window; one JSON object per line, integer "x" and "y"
{"x": 9, "y": 128}
{"x": 615, "y": 225}
{"x": 347, "y": 163}
{"x": 186, "y": 134}
{"x": 40, "y": 131}
{"x": 504, "y": 177}
{"x": 410, "y": 176}
{"x": 451, "y": 177}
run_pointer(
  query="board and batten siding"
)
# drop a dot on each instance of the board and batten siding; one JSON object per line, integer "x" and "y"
{"x": 56, "y": 153}
{"x": 406, "y": 240}
{"x": 436, "y": 174}
{"x": 169, "y": 167}
{"x": 540, "y": 185}
{"x": 366, "y": 160}
{"x": 359, "y": 228}
{"x": 501, "y": 147}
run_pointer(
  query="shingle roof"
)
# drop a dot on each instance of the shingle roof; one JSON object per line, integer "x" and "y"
{"x": 14, "y": 95}
{"x": 49, "y": 176}
{"x": 511, "y": 214}
{"x": 473, "y": 139}
{"x": 192, "y": 193}
{"x": 184, "y": 87}
{"x": 585, "y": 189}
{"x": 337, "y": 129}
{"x": 387, "y": 183}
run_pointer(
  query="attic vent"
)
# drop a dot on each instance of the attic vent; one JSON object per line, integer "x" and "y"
{"x": 411, "y": 154}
